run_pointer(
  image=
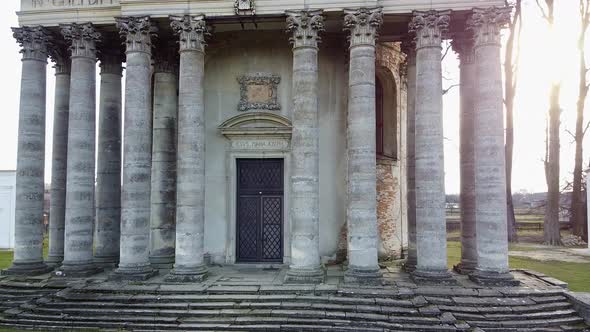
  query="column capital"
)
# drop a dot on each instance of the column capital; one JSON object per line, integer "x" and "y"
{"x": 429, "y": 27}
{"x": 138, "y": 32}
{"x": 192, "y": 31}
{"x": 408, "y": 46}
{"x": 58, "y": 52}
{"x": 166, "y": 58}
{"x": 363, "y": 24}
{"x": 486, "y": 24}
{"x": 82, "y": 39}
{"x": 33, "y": 42}
{"x": 463, "y": 46}
{"x": 111, "y": 62}
{"x": 305, "y": 26}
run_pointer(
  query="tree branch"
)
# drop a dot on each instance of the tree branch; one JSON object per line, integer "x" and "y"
{"x": 445, "y": 91}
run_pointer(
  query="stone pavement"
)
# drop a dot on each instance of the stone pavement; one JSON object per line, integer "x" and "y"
{"x": 249, "y": 298}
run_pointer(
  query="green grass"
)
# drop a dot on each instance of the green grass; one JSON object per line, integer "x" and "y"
{"x": 575, "y": 274}
{"x": 6, "y": 257}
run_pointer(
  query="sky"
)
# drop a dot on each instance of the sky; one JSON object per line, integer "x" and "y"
{"x": 541, "y": 61}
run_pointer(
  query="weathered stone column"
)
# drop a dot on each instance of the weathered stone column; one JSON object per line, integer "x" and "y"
{"x": 363, "y": 235}
{"x": 431, "y": 241}
{"x": 134, "y": 263}
{"x": 61, "y": 109}
{"x": 30, "y": 164}
{"x": 305, "y": 213}
{"x": 490, "y": 175}
{"x": 190, "y": 198}
{"x": 108, "y": 176}
{"x": 410, "y": 50}
{"x": 163, "y": 195}
{"x": 79, "y": 217}
{"x": 463, "y": 45}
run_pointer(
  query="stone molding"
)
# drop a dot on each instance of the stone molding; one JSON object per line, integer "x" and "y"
{"x": 487, "y": 23}
{"x": 257, "y": 124}
{"x": 138, "y": 32}
{"x": 271, "y": 81}
{"x": 244, "y": 7}
{"x": 59, "y": 54}
{"x": 305, "y": 26}
{"x": 429, "y": 27}
{"x": 363, "y": 25}
{"x": 33, "y": 42}
{"x": 192, "y": 31}
{"x": 82, "y": 39}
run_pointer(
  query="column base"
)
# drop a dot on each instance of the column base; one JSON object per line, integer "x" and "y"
{"x": 26, "y": 269}
{"x": 54, "y": 261}
{"x": 106, "y": 261}
{"x": 492, "y": 278}
{"x": 187, "y": 274}
{"x": 410, "y": 265}
{"x": 77, "y": 270}
{"x": 362, "y": 276}
{"x": 137, "y": 273}
{"x": 465, "y": 267}
{"x": 162, "y": 262}
{"x": 304, "y": 276}
{"x": 436, "y": 278}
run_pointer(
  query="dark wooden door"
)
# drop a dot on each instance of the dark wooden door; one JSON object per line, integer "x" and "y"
{"x": 260, "y": 210}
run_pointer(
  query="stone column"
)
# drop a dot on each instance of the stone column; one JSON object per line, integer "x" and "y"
{"x": 305, "y": 235}
{"x": 79, "y": 217}
{"x": 134, "y": 263}
{"x": 490, "y": 175}
{"x": 363, "y": 235}
{"x": 108, "y": 176}
{"x": 410, "y": 50}
{"x": 190, "y": 199}
{"x": 463, "y": 45}
{"x": 61, "y": 109}
{"x": 163, "y": 194}
{"x": 431, "y": 241}
{"x": 30, "y": 164}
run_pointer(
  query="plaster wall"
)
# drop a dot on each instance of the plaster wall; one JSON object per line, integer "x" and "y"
{"x": 7, "y": 199}
{"x": 270, "y": 52}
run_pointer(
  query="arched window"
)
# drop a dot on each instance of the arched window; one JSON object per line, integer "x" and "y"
{"x": 385, "y": 116}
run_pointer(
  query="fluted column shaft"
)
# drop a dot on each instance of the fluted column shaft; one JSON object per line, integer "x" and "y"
{"x": 190, "y": 205}
{"x": 410, "y": 50}
{"x": 30, "y": 164}
{"x": 57, "y": 201}
{"x": 163, "y": 195}
{"x": 431, "y": 241}
{"x": 134, "y": 261}
{"x": 464, "y": 47}
{"x": 305, "y": 213}
{"x": 490, "y": 175}
{"x": 108, "y": 175}
{"x": 79, "y": 216}
{"x": 363, "y": 234}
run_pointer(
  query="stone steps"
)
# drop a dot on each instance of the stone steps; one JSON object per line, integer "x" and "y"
{"x": 293, "y": 308}
{"x": 14, "y": 294}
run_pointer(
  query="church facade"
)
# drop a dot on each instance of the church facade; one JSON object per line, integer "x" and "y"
{"x": 258, "y": 132}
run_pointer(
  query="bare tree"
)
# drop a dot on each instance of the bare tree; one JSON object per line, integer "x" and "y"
{"x": 551, "y": 225}
{"x": 512, "y": 57}
{"x": 577, "y": 201}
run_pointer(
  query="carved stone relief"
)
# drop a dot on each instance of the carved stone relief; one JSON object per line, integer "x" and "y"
{"x": 259, "y": 92}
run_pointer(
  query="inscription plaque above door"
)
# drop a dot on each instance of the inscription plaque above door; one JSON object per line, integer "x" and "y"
{"x": 258, "y": 91}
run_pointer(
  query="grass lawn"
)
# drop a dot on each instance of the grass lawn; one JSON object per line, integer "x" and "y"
{"x": 575, "y": 274}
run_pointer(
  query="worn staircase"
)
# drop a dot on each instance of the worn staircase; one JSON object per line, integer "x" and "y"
{"x": 284, "y": 308}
